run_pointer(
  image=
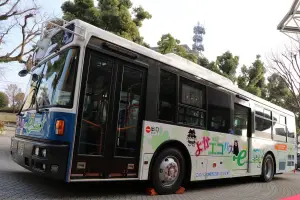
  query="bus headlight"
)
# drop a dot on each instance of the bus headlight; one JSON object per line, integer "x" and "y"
{"x": 44, "y": 153}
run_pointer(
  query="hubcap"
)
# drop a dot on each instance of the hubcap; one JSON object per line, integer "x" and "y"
{"x": 268, "y": 168}
{"x": 169, "y": 171}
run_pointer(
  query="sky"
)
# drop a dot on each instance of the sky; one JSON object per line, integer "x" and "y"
{"x": 246, "y": 28}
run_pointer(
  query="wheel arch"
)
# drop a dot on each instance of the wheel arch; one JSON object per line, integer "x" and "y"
{"x": 182, "y": 148}
{"x": 272, "y": 154}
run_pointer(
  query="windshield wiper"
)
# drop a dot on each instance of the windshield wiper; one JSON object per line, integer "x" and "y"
{"x": 35, "y": 90}
{"x": 19, "y": 113}
{"x": 36, "y": 102}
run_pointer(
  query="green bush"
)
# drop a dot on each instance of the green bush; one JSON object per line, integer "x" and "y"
{"x": 3, "y": 100}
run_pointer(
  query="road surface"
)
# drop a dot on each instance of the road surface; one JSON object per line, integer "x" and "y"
{"x": 18, "y": 183}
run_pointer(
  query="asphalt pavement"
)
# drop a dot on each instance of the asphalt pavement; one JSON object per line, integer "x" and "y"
{"x": 18, "y": 183}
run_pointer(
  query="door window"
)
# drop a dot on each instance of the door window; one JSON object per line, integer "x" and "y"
{"x": 240, "y": 120}
{"x": 128, "y": 114}
{"x": 95, "y": 107}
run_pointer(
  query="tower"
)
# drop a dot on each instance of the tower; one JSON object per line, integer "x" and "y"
{"x": 199, "y": 31}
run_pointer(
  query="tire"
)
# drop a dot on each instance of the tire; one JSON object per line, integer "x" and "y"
{"x": 267, "y": 172}
{"x": 169, "y": 163}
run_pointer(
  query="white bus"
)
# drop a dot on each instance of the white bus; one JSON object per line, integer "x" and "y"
{"x": 102, "y": 108}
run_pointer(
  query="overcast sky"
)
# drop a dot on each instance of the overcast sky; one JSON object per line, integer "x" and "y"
{"x": 246, "y": 28}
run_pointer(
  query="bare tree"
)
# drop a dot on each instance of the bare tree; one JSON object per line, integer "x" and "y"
{"x": 19, "y": 98}
{"x": 16, "y": 17}
{"x": 12, "y": 92}
{"x": 287, "y": 65}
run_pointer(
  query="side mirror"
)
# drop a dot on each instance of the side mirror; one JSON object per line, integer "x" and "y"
{"x": 23, "y": 72}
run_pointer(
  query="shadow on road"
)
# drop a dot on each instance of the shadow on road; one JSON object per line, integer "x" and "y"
{"x": 54, "y": 189}
{"x": 210, "y": 184}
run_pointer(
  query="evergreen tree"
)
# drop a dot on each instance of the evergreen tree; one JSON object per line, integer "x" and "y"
{"x": 169, "y": 44}
{"x": 279, "y": 93}
{"x": 110, "y": 15}
{"x": 227, "y": 64}
{"x": 252, "y": 78}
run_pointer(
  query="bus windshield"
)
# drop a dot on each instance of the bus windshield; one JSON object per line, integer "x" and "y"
{"x": 57, "y": 82}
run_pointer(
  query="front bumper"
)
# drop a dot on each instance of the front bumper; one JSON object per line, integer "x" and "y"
{"x": 54, "y": 165}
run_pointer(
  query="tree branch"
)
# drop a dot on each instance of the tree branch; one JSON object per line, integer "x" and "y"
{"x": 281, "y": 72}
{"x": 10, "y": 12}
{"x": 2, "y": 35}
{"x": 291, "y": 60}
{"x": 5, "y": 2}
{"x": 31, "y": 50}
{"x": 13, "y": 12}
{"x": 27, "y": 37}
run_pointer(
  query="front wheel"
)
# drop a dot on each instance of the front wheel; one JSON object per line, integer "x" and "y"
{"x": 168, "y": 171}
{"x": 268, "y": 170}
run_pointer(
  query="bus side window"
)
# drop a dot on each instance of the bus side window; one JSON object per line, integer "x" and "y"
{"x": 263, "y": 123}
{"x": 167, "y": 96}
{"x": 291, "y": 129}
{"x": 191, "y": 109}
{"x": 279, "y": 127}
{"x": 218, "y": 110}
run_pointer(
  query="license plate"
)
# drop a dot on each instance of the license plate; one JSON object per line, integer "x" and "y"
{"x": 20, "y": 148}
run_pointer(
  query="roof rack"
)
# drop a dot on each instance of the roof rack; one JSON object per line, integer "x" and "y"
{"x": 58, "y": 23}
{"x": 49, "y": 29}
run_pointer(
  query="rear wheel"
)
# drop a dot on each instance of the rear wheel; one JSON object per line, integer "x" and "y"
{"x": 268, "y": 169}
{"x": 168, "y": 171}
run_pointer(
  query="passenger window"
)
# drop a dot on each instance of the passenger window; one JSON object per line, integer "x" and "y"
{"x": 291, "y": 129}
{"x": 275, "y": 117}
{"x": 240, "y": 120}
{"x": 219, "y": 104}
{"x": 167, "y": 96}
{"x": 259, "y": 111}
{"x": 279, "y": 130}
{"x": 263, "y": 127}
{"x": 267, "y": 114}
{"x": 282, "y": 120}
{"x": 191, "y": 116}
{"x": 191, "y": 106}
{"x": 191, "y": 95}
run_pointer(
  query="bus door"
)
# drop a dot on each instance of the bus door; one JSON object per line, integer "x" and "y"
{"x": 109, "y": 122}
{"x": 242, "y": 132}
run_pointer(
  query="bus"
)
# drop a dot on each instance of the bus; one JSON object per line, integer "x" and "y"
{"x": 101, "y": 108}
